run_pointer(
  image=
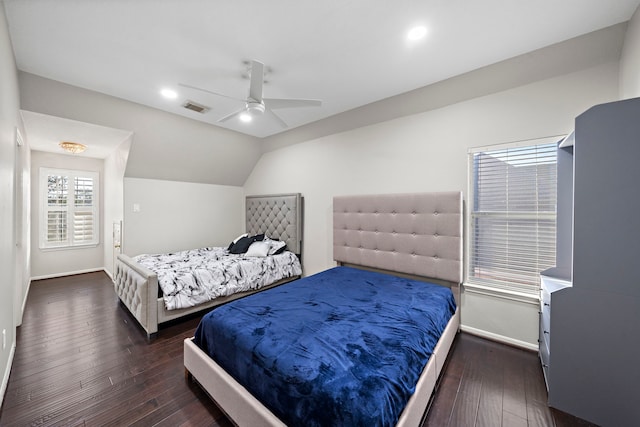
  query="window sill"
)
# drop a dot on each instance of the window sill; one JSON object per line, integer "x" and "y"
{"x": 69, "y": 248}
{"x": 502, "y": 293}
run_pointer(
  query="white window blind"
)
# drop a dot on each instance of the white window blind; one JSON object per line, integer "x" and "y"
{"x": 512, "y": 215}
{"x": 69, "y": 208}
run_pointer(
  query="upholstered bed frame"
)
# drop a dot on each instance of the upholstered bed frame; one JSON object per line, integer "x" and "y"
{"x": 414, "y": 235}
{"x": 278, "y": 216}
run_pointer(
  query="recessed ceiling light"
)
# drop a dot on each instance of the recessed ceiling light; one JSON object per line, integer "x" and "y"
{"x": 416, "y": 33}
{"x": 246, "y": 117}
{"x": 169, "y": 93}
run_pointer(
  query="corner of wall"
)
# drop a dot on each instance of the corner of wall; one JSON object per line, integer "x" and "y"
{"x": 629, "y": 80}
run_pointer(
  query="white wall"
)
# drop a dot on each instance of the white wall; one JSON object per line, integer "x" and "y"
{"x": 60, "y": 262}
{"x": 179, "y": 215}
{"x": 114, "y": 168}
{"x": 9, "y": 121}
{"x": 428, "y": 152}
{"x": 630, "y": 59}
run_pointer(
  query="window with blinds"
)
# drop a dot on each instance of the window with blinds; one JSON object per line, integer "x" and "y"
{"x": 69, "y": 208}
{"x": 512, "y": 204}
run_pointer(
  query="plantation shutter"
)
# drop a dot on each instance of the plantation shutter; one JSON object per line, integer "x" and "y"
{"x": 512, "y": 216}
{"x": 57, "y": 208}
{"x": 70, "y": 209}
{"x": 83, "y": 215}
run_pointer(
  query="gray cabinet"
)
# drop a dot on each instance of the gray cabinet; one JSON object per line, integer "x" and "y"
{"x": 591, "y": 348}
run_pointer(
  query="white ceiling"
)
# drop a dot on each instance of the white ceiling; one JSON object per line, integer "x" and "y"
{"x": 46, "y": 132}
{"x": 347, "y": 53}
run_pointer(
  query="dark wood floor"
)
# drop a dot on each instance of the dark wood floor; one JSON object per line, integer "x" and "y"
{"x": 490, "y": 384}
{"x": 82, "y": 360}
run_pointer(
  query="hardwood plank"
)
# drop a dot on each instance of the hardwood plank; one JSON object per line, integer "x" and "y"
{"x": 93, "y": 407}
{"x": 441, "y": 407}
{"x": 465, "y": 408}
{"x": 524, "y": 393}
{"x": 490, "y": 406}
{"x": 182, "y": 417}
{"x": 514, "y": 397}
{"x": 538, "y": 413}
{"x": 511, "y": 420}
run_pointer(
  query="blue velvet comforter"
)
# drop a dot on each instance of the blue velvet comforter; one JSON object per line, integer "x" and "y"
{"x": 343, "y": 347}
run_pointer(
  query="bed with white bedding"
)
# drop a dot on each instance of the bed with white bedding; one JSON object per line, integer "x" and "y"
{"x": 193, "y": 277}
{"x": 294, "y": 355}
{"x": 156, "y": 288}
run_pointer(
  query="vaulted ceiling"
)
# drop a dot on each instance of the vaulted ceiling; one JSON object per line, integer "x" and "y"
{"x": 346, "y": 53}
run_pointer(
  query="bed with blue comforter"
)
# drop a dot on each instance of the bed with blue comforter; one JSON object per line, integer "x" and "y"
{"x": 341, "y": 347}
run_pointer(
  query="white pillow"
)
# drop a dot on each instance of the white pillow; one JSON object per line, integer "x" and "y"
{"x": 258, "y": 249}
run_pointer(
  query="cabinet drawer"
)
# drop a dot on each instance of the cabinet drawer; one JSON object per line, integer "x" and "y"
{"x": 545, "y": 358}
{"x": 545, "y": 297}
{"x": 543, "y": 340}
{"x": 545, "y": 321}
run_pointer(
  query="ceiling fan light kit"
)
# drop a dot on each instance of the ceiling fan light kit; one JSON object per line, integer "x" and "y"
{"x": 255, "y": 104}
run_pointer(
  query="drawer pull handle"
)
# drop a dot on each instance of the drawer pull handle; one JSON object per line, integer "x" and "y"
{"x": 545, "y": 366}
{"x": 546, "y": 304}
{"x": 545, "y": 332}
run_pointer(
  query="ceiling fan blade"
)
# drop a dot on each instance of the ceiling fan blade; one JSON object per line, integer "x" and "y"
{"x": 257, "y": 78}
{"x": 231, "y": 116}
{"x": 275, "y": 117}
{"x": 209, "y": 91}
{"x": 275, "y": 103}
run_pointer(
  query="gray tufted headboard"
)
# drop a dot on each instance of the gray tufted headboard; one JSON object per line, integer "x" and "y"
{"x": 418, "y": 234}
{"x": 278, "y": 216}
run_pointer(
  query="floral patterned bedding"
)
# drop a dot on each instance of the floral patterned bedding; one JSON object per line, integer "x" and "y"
{"x": 192, "y": 277}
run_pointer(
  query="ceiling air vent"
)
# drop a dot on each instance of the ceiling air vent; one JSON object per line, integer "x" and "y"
{"x": 194, "y": 106}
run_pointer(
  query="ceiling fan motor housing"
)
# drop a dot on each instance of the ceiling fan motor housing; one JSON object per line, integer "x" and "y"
{"x": 255, "y": 107}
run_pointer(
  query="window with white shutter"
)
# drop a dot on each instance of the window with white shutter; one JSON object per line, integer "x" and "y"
{"x": 69, "y": 208}
{"x": 512, "y": 210}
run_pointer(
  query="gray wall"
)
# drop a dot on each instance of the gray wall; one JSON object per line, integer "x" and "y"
{"x": 164, "y": 146}
{"x": 172, "y": 216}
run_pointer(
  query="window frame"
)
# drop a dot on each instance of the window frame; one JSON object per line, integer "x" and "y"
{"x": 71, "y": 208}
{"x": 521, "y": 293}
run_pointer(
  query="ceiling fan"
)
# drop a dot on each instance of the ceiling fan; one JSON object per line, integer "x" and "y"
{"x": 255, "y": 104}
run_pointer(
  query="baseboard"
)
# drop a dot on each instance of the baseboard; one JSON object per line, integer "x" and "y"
{"x": 7, "y": 372}
{"x": 68, "y": 273}
{"x": 24, "y": 302}
{"x": 499, "y": 338}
